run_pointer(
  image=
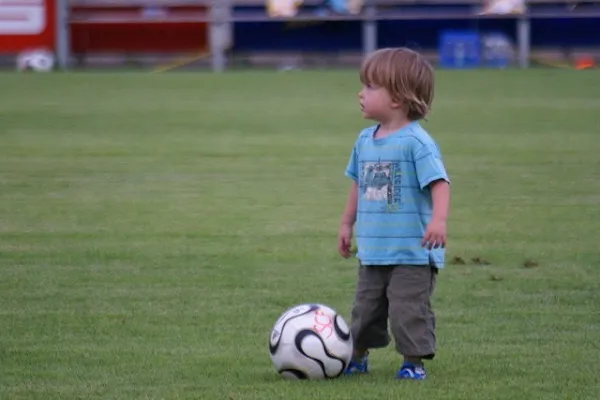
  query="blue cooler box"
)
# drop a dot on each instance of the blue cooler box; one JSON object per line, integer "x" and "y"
{"x": 459, "y": 49}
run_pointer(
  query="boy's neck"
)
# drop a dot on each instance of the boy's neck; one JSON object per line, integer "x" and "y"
{"x": 392, "y": 125}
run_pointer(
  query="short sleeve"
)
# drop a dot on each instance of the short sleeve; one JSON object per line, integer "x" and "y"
{"x": 352, "y": 167}
{"x": 429, "y": 165}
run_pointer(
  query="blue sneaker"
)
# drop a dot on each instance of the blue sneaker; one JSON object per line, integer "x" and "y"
{"x": 411, "y": 371}
{"x": 358, "y": 367}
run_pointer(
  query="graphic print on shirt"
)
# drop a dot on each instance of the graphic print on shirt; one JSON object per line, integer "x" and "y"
{"x": 380, "y": 182}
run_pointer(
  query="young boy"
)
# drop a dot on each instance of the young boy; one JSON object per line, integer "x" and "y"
{"x": 398, "y": 205}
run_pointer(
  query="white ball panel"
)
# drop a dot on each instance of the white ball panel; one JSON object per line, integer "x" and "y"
{"x": 287, "y": 315}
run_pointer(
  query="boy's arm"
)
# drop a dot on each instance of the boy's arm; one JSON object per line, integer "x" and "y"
{"x": 347, "y": 222}
{"x": 440, "y": 196}
{"x": 435, "y": 233}
{"x": 431, "y": 173}
{"x": 349, "y": 214}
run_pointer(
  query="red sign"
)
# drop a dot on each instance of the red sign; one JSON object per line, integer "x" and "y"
{"x": 27, "y": 24}
{"x": 126, "y": 28}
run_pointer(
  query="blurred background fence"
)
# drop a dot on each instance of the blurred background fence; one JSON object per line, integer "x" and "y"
{"x": 221, "y": 34}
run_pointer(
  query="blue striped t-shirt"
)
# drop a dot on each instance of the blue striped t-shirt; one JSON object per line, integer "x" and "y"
{"x": 394, "y": 200}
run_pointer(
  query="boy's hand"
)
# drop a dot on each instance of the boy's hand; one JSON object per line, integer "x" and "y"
{"x": 345, "y": 240}
{"x": 435, "y": 234}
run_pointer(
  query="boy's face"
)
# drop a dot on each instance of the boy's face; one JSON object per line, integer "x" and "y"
{"x": 375, "y": 102}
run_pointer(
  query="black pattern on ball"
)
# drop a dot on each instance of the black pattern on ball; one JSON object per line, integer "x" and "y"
{"x": 298, "y": 374}
{"x": 298, "y": 342}
{"x": 274, "y": 346}
{"x": 341, "y": 334}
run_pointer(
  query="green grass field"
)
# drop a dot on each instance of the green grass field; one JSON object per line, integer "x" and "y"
{"x": 153, "y": 227}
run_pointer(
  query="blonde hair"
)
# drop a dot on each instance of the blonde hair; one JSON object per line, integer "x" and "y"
{"x": 405, "y": 74}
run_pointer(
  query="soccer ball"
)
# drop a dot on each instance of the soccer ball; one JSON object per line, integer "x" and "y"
{"x": 37, "y": 60}
{"x": 310, "y": 341}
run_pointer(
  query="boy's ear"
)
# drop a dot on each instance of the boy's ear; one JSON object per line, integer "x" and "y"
{"x": 396, "y": 105}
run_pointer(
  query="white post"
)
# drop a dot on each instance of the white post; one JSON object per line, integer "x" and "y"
{"x": 524, "y": 40}
{"x": 63, "y": 40}
{"x": 220, "y": 33}
{"x": 369, "y": 28}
